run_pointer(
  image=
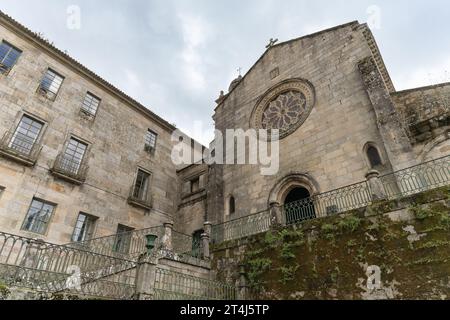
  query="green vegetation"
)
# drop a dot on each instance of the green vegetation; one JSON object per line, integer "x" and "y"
{"x": 4, "y": 291}
{"x": 327, "y": 257}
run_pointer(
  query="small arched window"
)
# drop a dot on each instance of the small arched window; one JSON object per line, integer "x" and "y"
{"x": 231, "y": 206}
{"x": 374, "y": 156}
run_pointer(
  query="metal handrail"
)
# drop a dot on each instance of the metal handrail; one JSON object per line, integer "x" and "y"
{"x": 172, "y": 285}
{"x": 16, "y": 145}
{"x": 422, "y": 177}
{"x": 40, "y": 265}
{"x": 70, "y": 168}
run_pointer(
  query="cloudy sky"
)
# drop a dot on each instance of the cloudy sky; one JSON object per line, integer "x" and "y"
{"x": 176, "y": 56}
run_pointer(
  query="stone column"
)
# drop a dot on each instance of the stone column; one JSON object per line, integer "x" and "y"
{"x": 145, "y": 277}
{"x": 207, "y": 227}
{"x": 243, "y": 289}
{"x": 205, "y": 246}
{"x": 395, "y": 138}
{"x": 206, "y": 239}
{"x": 276, "y": 213}
{"x": 167, "y": 244}
{"x": 377, "y": 191}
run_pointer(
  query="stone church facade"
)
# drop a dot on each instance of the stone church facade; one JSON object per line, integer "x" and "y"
{"x": 80, "y": 159}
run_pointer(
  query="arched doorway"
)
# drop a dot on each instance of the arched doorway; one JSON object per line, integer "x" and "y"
{"x": 298, "y": 206}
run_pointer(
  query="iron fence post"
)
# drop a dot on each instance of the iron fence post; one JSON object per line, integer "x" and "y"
{"x": 376, "y": 188}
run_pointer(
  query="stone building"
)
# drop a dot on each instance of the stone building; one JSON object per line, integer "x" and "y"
{"x": 81, "y": 159}
{"x": 339, "y": 117}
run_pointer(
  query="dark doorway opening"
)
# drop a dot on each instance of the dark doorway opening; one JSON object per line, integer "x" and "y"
{"x": 298, "y": 206}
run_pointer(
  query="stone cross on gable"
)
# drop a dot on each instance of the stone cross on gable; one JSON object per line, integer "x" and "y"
{"x": 271, "y": 43}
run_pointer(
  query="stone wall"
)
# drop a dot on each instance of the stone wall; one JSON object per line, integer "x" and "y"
{"x": 329, "y": 146}
{"x": 426, "y": 112}
{"x": 192, "y": 206}
{"x": 407, "y": 239}
{"x": 116, "y": 149}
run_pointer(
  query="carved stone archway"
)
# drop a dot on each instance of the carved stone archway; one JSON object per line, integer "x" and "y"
{"x": 288, "y": 183}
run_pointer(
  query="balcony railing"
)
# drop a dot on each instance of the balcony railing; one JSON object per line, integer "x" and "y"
{"x": 126, "y": 245}
{"x": 69, "y": 169}
{"x": 172, "y": 285}
{"x": 426, "y": 176}
{"x": 48, "y": 267}
{"x": 4, "y": 69}
{"x": 46, "y": 93}
{"x": 20, "y": 148}
{"x": 140, "y": 200}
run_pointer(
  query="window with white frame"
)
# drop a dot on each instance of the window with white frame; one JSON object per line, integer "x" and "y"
{"x": 90, "y": 104}
{"x": 38, "y": 216}
{"x": 140, "y": 190}
{"x": 51, "y": 83}
{"x": 73, "y": 156}
{"x": 26, "y": 135}
{"x": 150, "y": 140}
{"x": 84, "y": 228}
{"x": 8, "y": 57}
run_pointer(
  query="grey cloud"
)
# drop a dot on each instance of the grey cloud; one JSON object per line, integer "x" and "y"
{"x": 156, "y": 49}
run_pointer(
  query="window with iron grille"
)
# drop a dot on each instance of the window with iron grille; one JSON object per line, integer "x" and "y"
{"x": 73, "y": 156}
{"x": 150, "y": 140}
{"x": 51, "y": 83}
{"x": 84, "y": 228}
{"x": 123, "y": 239}
{"x": 140, "y": 190}
{"x": 38, "y": 216}
{"x": 26, "y": 135}
{"x": 8, "y": 57}
{"x": 90, "y": 104}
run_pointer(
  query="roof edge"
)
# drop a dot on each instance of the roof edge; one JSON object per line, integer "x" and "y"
{"x": 428, "y": 87}
{"x": 19, "y": 28}
{"x": 315, "y": 34}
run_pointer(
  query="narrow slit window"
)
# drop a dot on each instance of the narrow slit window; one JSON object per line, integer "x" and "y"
{"x": 374, "y": 156}
{"x": 232, "y": 206}
{"x": 195, "y": 185}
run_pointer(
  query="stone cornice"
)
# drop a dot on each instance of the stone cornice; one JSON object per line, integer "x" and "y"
{"x": 377, "y": 56}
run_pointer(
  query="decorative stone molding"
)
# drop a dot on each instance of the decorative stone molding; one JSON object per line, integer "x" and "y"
{"x": 285, "y": 106}
{"x": 289, "y": 182}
